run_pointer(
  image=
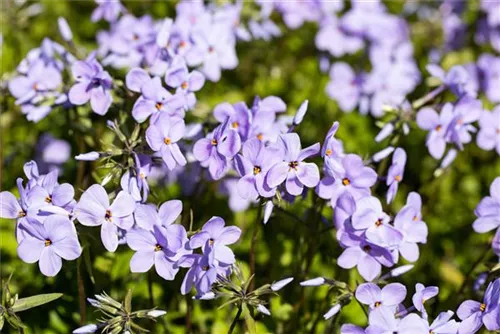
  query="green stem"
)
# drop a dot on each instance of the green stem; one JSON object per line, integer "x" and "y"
{"x": 81, "y": 293}
{"x": 235, "y": 320}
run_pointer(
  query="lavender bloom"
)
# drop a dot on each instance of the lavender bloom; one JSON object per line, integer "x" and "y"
{"x": 368, "y": 257}
{"x": 383, "y": 321}
{"x": 488, "y": 210}
{"x": 423, "y": 294}
{"x": 215, "y": 150}
{"x": 414, "y": 230}
{"x": 332, "y": 147}
{"x": 292, "y": 169}
{"x": 153, "y": 247}
{"x": 442, "y": 324}
{"x": 47, "y": 243}
{"x": 370, "y": 217}
{"x": 108, "y": 10}
{"x": 456, "y": 79}
{"x": 147, "y": 217}
{"x": 186, "y": 83}
{"x": 238, "y": 116}
{"x": 49, "y": 192}
{"x": 215, "y": 236}
{"x": 94, "y": 209}
{"x": 253, "y": 166}
{"x": 162, "y": 136}
{"x": 202, "y": 273}
{"x": 395, "y": 173}
{"x": 214, "y": 49}
{"x": 51, "y": 153}
{"x": 349, "y": 175}
{"x": 92, "y": 83}
{"x": 135, "y": 182}
{"x": 333, "y": 39}
{"x": 466, "y": 111}
{"x": 474, "y": 314}
{"x": 389, "y": 296}
{"x": 155, "y": 99}
{"x": 488, "y": 137}
{"x": 489, "y": 68}
{"x": 344, "y": 86}
{"x": 437, "y": 125}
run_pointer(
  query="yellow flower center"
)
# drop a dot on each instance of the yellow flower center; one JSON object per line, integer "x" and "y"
{"x": 48, "y": 199}
{"x": 256, "y": 170}
{"x": 213, "y": 142}
{"x": 346, "y": 181}
{"x": 158, "y": 105}
{"x": 482, "y": 307}
{"x": 377, "y": 304}
{"x": 158, "y": 248}
{"x": 293, "y": 165}
{"x": 260, "y": 136}
{"x": 108, "y": 216}
{"x": 328, "y": 152}
{"x": 21, "y": 214}
{"x": 378, "y": 222}
{"x": 48, "y": 242}
{"x": 397, "y": 178}
{"x": 167, "y": 141}
{"x": 184, "y": 85}
{"x": 235, "y": 125}
{"x": 211, "y": 242}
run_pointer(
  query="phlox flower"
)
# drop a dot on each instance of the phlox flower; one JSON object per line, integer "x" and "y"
{"x": 395, "y": 173}
{"x": 389, "y": 296}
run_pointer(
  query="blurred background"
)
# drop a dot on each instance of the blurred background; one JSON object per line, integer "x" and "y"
{"x": 287, "y": 66}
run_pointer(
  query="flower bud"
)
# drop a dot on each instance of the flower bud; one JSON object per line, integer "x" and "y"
{"x": 384, "y": 132}
{"x": 383, "y": 154}
{"x": 64, "y": 29}
{"x": 281, "y": 284}
{"x": 268, "y": 209}
{"x": 90, "y": 156}
{"x": 91, "y": 328}
{"x": 301, "y": 112}
{"x": 156, "y": 313}
{"x": 332, "y": 311}
{"x": 264, "y": 310}
{"x": 313, "y": 282}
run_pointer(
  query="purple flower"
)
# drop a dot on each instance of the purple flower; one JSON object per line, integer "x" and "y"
{"x": 135, "y": 181}
{"x": 367, "y": 256}
{"x": 162, "y": 136}
{"x": 466, "y": 111}
{"x": 292, "y": 168}
{"x": 214, "y": 49}
{"x": 345, "y": 86}
{"x": 332, "y": 147}
{"x": 51, "y": 153}
{"x": 408, "y": 222}
{"x": 107, "y": 10}
{"x": 39, "y": 79}
{"x": 488, "y": 210}
{"x": 395, "y": 174}
{"x": 389, "y": 296}
{"x": 202, "y": 273}
{"x": 186, "y": 83}
{"x": 423, "y": 294}
{"x": 351, "y": 329}
{"x": 488, "y": 137}
{"x": 47, "y": 243}
{"x": 437, "y": 125}
{"x": 253, "y": 166}
{"x": 147, "y": 217}
{"x": 92, "y": 83}
{"x": 216, "y": 150}
{"x": 349, "y": 175}
{"x": 153, "y": 247}
{"x": 370, "y": 217}
{"x": 474, "y": 314}
{"x": 215, "y": 236}
{"x": 457, "y": 80}
{"x": 94, "y": 209}
{"x": 442, "y": 324}
{"x": 333, "y": 39}
{"x": 489, "y": 67}
{"x": 155, "y": 99}
{"x": 237, "y": 115}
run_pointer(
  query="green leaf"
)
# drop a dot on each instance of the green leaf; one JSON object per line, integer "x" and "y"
{"x": 24, "y": 304}
{"x": 252, "y": 328}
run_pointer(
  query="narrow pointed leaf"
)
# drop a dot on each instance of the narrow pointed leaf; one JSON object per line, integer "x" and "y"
{"x": 34, "y": 301}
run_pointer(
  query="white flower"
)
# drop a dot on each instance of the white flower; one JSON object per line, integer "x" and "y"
{"x": 264, "y": 310}
{"x": 313, "y": 282}
{"x": 280, "y": 284}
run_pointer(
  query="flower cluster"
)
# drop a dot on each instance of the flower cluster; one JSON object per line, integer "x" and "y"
{"x": 488, "y": 215}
